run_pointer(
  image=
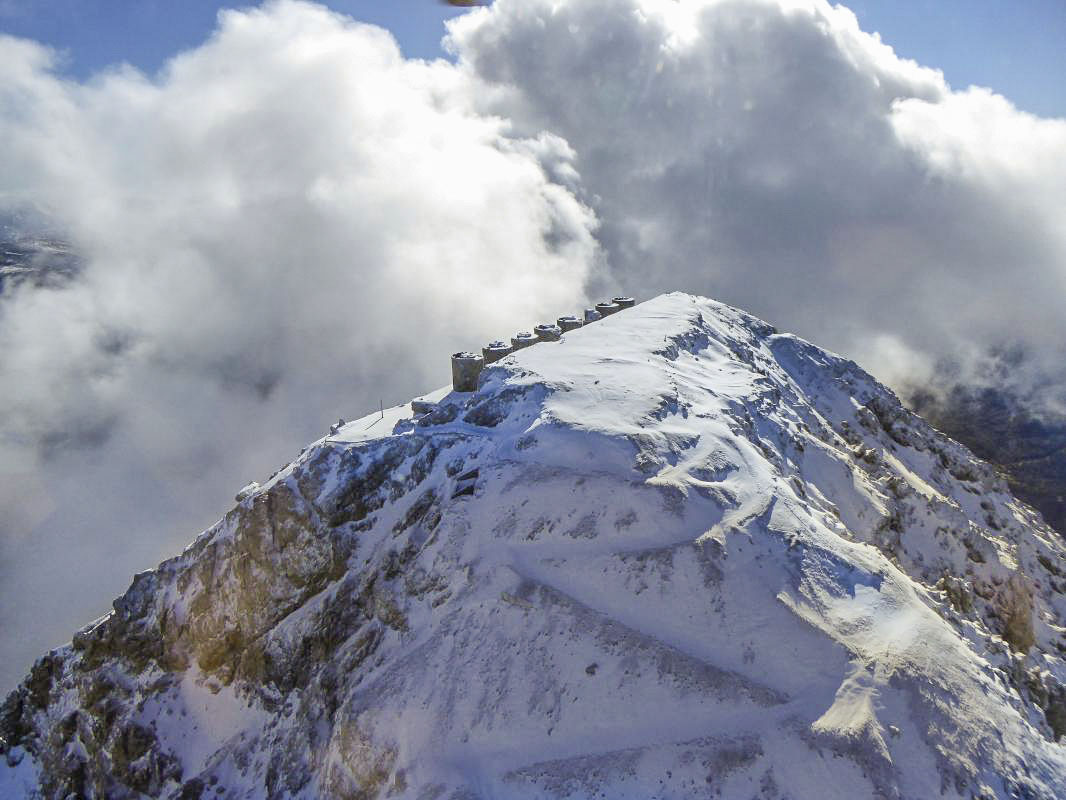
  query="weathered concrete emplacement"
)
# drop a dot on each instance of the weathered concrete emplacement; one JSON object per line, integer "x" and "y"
{"x": 523, "y": 339}
{"x": 465, "y": 369}
{"x": 421, "y": 406}
{"x": 548, "y": 332}
{"x": 568, "y": 323}
{"x": 494, "y": 351}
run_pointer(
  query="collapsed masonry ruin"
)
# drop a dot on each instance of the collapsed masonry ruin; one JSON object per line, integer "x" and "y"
{"x": 466, "y": 367}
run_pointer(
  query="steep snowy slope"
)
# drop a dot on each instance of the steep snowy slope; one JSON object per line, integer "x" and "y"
{"x": 674, "y": 555}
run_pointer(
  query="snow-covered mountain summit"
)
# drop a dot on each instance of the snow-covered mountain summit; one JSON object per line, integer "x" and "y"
{"x": 675, "y": 554}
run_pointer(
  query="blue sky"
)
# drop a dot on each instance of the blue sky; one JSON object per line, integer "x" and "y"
{"x": 1013, "y": 47}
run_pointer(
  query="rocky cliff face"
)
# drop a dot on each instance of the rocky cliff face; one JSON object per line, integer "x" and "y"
{"x": 674, "y": 555}
{"x": 999, "y": 426}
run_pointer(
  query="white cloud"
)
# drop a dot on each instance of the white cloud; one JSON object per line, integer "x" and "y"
{"x": 772, "y": 154}
{"x": 288, "y": 224}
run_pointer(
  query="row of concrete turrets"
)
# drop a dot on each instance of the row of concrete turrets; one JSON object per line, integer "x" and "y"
{"x": 467, "y": 366}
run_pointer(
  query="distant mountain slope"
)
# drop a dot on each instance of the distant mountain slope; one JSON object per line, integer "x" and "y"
{"x": 39, "y": 261}
{"x": 675, "y": 555}
{"x": 998, "y": 427}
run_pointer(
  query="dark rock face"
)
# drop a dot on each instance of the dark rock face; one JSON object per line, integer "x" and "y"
{"x": 997, "y": 427}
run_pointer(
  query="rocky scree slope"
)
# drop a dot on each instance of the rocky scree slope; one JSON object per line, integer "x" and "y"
{"x": 676, "y": 554}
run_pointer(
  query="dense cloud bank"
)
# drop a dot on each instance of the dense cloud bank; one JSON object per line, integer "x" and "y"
{"x": 288, "y": 224}
{"x": 771, "y": 154}
{"x": 291, "y": 222}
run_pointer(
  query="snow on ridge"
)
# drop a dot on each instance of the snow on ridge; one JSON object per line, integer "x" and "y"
{"x": 675, "y": 552}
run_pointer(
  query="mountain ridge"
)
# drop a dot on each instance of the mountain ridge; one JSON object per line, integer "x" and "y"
{"x": 674, "y": 552}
